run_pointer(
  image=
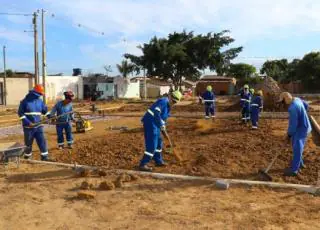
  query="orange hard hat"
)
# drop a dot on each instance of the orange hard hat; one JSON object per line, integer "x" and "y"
{"x": 38, "y": 89}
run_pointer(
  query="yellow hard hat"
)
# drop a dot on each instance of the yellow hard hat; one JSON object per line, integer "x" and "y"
{"x": 260, "y": 93}
{"x": 176, "y": 95}
{"x": 246, "y": 86}
{"x": 209, "y": 88}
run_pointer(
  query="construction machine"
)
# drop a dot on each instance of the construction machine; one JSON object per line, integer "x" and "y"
{"x": 82, "y": 125}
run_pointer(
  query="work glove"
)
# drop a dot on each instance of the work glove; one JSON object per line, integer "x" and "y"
{"x": 163, "y": 128}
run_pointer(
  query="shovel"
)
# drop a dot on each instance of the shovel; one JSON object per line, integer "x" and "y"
{"x": 263, "y": 173}
{"x": 171, "y": 151}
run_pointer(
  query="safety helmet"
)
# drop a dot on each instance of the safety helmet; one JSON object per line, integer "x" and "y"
{"x": 246, "y": 86}
{"x": 259, "y": 93}
{"x": 251, "y": 91}
{"x": 68, "y": 94}
{"x": 209, "y": 88}
{"x": 38, "y": 89}
{"x": 176, "y": 95}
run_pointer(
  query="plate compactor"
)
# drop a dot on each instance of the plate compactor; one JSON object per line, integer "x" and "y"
{"x": 82, "y": 125}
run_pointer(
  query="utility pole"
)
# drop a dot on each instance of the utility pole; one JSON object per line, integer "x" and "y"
{"x": 145, "y": 83}
{"x": 44, "y": 58}
{"x": 36, "y": 55}
{"x": 5, "y": 77}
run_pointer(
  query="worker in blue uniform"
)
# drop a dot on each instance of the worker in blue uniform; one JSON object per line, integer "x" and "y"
{"x": 154, "y": 121}
{"x": 256, "y": 107}
{"x": 64, "y": 111}
{"x": 245, "y": 98}
{"x": 208, "y": 98}
{"x": 298, "y": 130}
{"x": 30, "y": 113}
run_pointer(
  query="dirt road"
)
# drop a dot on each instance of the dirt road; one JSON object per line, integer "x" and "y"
{"x": 44, "y": 197}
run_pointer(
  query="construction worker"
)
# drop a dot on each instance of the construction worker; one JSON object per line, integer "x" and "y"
{"x": 256, "y": 107}
{"x": 30, "y": 111}
{"x": 64, "y": 112}
{"x": 245, "y": 98}
{"x": 298, "y": 130}
{"x": 208, "y": 98}
{"x": 154, "y": 121}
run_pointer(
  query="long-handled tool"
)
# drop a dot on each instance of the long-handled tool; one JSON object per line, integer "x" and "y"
{"x": 49, "y": 119}
{"x": 263, "y": 173}
{"x": 171, "y": 151}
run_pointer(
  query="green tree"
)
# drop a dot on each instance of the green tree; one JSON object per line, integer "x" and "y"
{"x": 241, "y": 71}
{"x": 184, "y": 55}
{"x": 277, "y": 69}
{"x": 125, "y": 68}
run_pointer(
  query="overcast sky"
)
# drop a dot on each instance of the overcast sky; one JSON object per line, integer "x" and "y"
{"x": 109, "y": 28}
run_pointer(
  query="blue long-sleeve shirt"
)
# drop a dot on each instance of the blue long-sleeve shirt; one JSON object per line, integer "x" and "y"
{"x": 256, "y": 104}
{"x": 245, "y": 99}
{"x": 31, "y": 108}
{"x": 61, "y": 109}
{"x": 208, "y": 97}
{"x": 299, "y": 123}
{"x": 158, "y": 113}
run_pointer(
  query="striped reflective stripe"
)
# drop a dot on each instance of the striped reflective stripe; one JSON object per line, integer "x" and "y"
{"x": 261, "y": 107}
{"x": 28, "y": 154}
{"x": 209, "y": 100}
{"x": 149, "y": 154}
{"x": 61, "y": 143}
{"x": 70, "y": 142}
{"x": 254, "y": 127}
{"x": 33, "y": 113}
{"x": 158, "y": 150}
{"x": 255, "y": 105}
{"x": 48, "y": 113}
{"x": 163, "y": 122}
{"x": 158, "y": 109}
{"x": 44, "y": 154}
{"x": 22, "y": 117}
{"x": 245, "y": 100}
{"x": 149, "y": 111}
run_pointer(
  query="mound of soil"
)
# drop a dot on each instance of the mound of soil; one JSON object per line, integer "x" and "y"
{"x": 221, "y": 148}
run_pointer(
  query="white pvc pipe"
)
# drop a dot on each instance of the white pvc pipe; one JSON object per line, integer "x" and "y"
{"x": 305, "y": 188}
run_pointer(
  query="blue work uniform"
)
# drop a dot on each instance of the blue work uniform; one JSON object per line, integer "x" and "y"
{"x": 30, "y": 111}
{"x": 153, "y": 120}
{"x": 298, "y": 130}
{"x": 245, "y": 99}
{"x": 209, "y": 103}
{"x": 65, "y": 117}
{"x": 255, "y": 108}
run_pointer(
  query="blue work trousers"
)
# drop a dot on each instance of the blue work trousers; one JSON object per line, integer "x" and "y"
{"x": 67, "y": 127}
{"x": 153, "y": 144}
{"x": 297, "y": 147}
{"x": 245, "y": 113}
{"x": 254, "y": 117}
{"x": 35, "y": 133}
{"x": 209, "y": 109}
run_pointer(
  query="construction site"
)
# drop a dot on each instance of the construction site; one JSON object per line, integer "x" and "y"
{"x": 211, "y": 180}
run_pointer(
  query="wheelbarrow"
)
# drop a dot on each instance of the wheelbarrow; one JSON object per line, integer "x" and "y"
{"x": 11, "y": 150}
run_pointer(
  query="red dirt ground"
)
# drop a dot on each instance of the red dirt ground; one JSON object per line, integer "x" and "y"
{"x": 223, "y": 148}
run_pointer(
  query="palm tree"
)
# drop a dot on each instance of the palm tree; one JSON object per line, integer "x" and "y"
{"x": 125, "y": 68}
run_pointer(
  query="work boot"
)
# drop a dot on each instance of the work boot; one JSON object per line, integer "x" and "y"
{"x": 60, "y": 147}
{"x": 46, "y": 158}
{"x": 70, "y": 146}
{"x": 303, "y": 166}
{"x": 145, "y": 168}
{"x": 206, "y": 117}
{"x": 162, "y": 164}
{"x": 288, "y": 172}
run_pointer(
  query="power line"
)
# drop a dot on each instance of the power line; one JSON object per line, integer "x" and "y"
{"x": 15, "y": 14}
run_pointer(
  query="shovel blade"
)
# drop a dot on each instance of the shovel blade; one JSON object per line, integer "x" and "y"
{"x": 264, "y": 175}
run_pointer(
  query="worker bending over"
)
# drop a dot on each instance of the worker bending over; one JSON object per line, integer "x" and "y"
{"x": 208, "y": 98}
{"x": 298, "y": 130}
{"x": 154, "y": 121}
{"x": 245, "y": 98}
{"x": 64, "y": 112}
{"x": 256, "y": 107}
{"x": 30, "y": 111}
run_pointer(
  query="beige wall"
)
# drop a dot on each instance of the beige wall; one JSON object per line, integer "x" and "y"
{"x": 17, "y": 88}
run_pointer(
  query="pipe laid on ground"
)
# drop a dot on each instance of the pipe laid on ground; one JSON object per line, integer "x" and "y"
{"x": 305, "y": 188}
{"x": 315, "y": 125}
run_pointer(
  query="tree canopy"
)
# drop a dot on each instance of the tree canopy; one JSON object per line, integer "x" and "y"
{"x": 185, "y": 54}
{"x": 125, "y": 68}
